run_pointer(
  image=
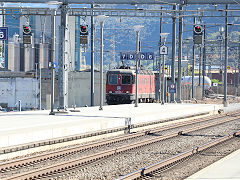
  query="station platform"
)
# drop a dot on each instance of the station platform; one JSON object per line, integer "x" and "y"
{"x": 29, "y": 126}
{"x": 226, "y": 168}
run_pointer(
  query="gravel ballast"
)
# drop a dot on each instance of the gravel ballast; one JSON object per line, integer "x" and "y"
{"x": 128, "y": 162}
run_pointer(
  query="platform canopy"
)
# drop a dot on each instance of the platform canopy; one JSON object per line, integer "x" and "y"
{"x": 129, "y": 1}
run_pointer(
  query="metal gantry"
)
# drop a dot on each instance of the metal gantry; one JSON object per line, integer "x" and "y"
{"x": 64, "y": 11}
{"x": 111, "y": 12}
{"x": 184, "y": 2}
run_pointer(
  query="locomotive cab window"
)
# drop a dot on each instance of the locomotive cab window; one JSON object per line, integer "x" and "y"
{"x": 112, "y": 79}
{"x": 126, "y": 79}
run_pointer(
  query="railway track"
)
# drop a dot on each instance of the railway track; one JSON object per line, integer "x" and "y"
{"x": 145, "y": 172}
{"x": 62, "y": 140}
{"x": 66, "y": 166}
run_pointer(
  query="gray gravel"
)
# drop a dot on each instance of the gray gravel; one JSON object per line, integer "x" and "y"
{"x": 128, "y": 162}
{"x": 200, "y": 161}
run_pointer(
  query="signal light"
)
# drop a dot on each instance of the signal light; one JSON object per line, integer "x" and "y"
{"x": 198, "y": 34}
{"x": 84, "y": 30}
{"x": 198, "y": 30}
{"x": 26, "y": 30}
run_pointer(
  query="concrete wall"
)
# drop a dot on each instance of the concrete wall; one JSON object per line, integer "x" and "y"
{"x": 46, "y": 90}
{"x": 186, "y": 92}
{"x": 231, "y": 90}
{"x": 79, "y": 89}
{"x": 26, "y": 89}
{"x": 14, "y": 89}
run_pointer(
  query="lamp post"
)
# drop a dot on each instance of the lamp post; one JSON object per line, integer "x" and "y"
{"x": 221, "y": 30}
{"x": 101, "y": 19}
{"x": 163, "y": 39}
{"x": 137, "y": 29}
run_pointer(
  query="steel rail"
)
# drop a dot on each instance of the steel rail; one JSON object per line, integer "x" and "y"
{"x": 74, "y": 150}
{"x": 83, "y": 160}
{"x": 174, "y": 159}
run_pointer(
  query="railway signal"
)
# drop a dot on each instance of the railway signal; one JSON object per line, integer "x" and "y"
{"x": 83, "y": 34}
{"x": 84, "y": 30}
{"x": 198, "y": 34}
{"x": 198, "y": 30}
{"x": 26, "y": 30}
{"x": 27, "y": 34}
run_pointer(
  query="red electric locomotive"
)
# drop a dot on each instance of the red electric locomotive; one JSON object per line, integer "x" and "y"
{"x": 121, "y": 86}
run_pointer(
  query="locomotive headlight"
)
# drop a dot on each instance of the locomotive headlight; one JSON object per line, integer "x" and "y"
{"x": 127, "y": 91}
{"x": 110, "y": 91}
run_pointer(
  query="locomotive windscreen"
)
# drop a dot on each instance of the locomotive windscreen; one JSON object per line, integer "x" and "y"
{"x": 126, "y": 79}
{"x": 113, "y": 79}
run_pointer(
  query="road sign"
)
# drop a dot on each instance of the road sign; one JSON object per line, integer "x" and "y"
{"x": 163, "y": 50}
{"x": 123, "y": 56}
{"x": 215, "y": 84}
{"x": 141, "y": 56}
{"x": 150, "y": 56}
{"x": 172, "y": 88}
{"x": 228, "y": 67}
{"x": 3, "y": 33}
{"x": 55, "y": 65}
{"x": 131, "y": 56}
